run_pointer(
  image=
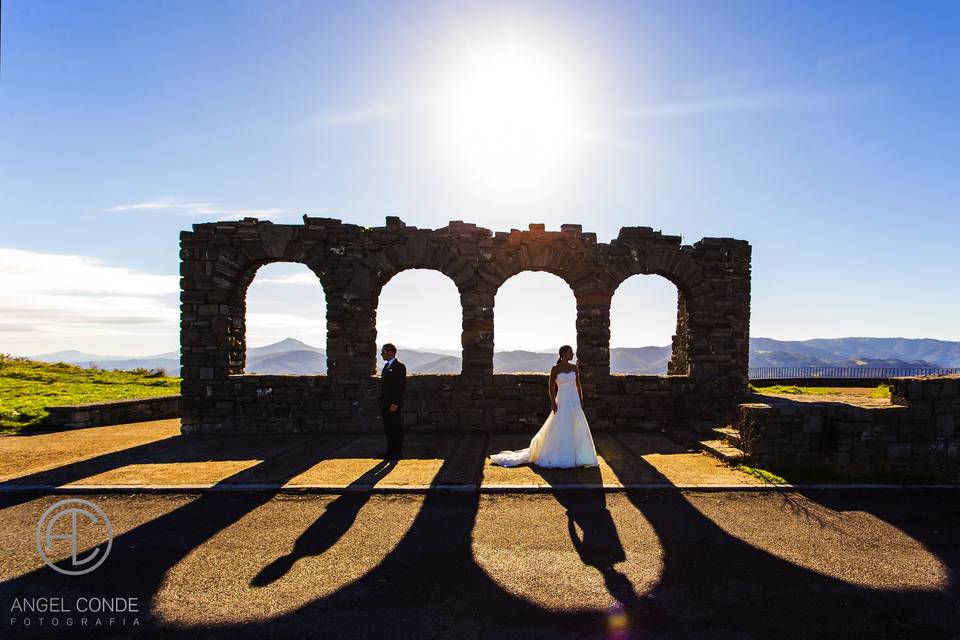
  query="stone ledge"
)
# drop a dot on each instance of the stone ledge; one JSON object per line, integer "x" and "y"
{"x": 919, "y": 423}
{"x": 97, "y": 414}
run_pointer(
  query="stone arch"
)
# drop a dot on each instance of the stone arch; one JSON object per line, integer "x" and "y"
{"x": 418, "y": 252}
{"x": 302, "y": 299}
{"x": 524, "y": 271}
{"x": 677, "y": 265}
{"x": 407, "y": 269}
{"x": 533, "y": 257}
{"x": 677, "y": 364}
{"x": 237, "y": 305}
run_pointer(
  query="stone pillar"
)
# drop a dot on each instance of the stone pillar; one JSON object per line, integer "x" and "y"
{"x": 211, "y": 324}
{"x": 593, "y": 333}
{"x": 678, "y": 364}
{"x": 478, "y": 328}
{"x": 719, "y": 318}
{"x": 351, "y": 335}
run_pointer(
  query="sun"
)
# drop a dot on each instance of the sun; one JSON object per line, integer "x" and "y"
{"x": 509, "y": 115}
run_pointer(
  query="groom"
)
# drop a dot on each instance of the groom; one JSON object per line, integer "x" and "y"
{"x": 393, "y": 379}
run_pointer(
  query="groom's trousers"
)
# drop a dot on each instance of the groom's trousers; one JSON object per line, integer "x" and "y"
{"x": 392, "y": 428}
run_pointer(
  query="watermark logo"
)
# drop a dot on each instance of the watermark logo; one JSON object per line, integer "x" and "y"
{"x": 75, "y": 522}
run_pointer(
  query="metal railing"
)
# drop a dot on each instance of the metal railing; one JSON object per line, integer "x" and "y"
{"x": 770, "y": 373}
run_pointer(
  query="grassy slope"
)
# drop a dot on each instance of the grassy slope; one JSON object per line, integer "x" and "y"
{"x": 882, "y": 391}
{"x": 26, "y": 386}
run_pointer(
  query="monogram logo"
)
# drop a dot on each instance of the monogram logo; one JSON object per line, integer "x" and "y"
{"x": 65, "y": 523}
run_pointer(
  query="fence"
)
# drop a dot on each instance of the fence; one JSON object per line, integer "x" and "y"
{"x": 779, "y": 373}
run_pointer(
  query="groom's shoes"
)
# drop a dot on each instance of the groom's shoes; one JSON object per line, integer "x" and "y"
{"x": 391, "y": 455}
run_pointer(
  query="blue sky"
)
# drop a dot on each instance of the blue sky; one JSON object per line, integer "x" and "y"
{"x": 823, "y": 133}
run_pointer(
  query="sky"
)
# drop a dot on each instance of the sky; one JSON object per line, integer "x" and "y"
{"x": 823, "y": 133}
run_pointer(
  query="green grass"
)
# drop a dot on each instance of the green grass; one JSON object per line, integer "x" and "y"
{"x": 882, "y": 391}
{"x": 789, "y": 388}
{"x": 763, "y": 475}
{"x": 27, "y": 386}
{"x": 916, "y": 472}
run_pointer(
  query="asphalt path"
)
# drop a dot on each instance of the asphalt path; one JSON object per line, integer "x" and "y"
{"x": 568, "y": 564}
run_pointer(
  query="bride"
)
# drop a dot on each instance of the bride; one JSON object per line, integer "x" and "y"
{"x": 564, "y": 440}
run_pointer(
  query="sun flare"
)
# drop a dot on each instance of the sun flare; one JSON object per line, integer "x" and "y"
{"x": 509, "y": 116}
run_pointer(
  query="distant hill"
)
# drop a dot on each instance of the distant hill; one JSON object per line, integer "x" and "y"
{"x": 640, "y": 359}
{"x": 284, "y": 346}
{"x": 293, "y": 356}
{"x": 846, "y": 352}
{"x": 514, "y": 361}
{"x": 444, "y": 364}
{"x": 298, "y": 361}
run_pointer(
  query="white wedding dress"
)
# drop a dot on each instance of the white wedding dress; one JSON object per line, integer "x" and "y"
{"x": 564, "y": 440}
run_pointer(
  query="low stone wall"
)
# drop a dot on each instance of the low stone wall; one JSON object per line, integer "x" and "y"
{"x": 116, "y": 412}
{"x": 509, "y": 402}
{"x": 921, "y": 422}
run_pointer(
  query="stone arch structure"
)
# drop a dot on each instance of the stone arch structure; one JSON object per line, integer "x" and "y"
{"x": 352, "y": 263}
{"x": 394, "y": 275}
{"x": 535, "y": 270}
{"x": 677, "y": 365}
{"x": 238, "y": 350}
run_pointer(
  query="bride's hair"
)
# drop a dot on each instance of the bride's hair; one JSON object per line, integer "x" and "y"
{"x": 564, "y": 348}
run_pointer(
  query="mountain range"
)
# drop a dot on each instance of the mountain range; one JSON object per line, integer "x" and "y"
{"x": 296, "y": 357}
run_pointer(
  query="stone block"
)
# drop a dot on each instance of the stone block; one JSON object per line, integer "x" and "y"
{"x": 812, "y": 424}
{"x": 898, "y": 451}
{"x": 851, "y": 428}
{"x": 946, "y": 424}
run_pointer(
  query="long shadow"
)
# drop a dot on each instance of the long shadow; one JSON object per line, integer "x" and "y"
{"x": 429, "y": 585}
{"x": 171, "y": 536}
{"x": 713, "y": 581}
{"x": 712, "y": 584}
{"x": 336, "y": 520}
{"x": 175, "y": 449}
{"x": 597, "y": 542}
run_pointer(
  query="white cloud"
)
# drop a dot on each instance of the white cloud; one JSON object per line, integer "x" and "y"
{"x": 44, "y": 295}
{"x": 309, "y": 279}
{"x": 862, "y": 52}
{"x": 195, "y": 208}
{"x": 284, "y": 321}
{"x": 366, "y": 113}
{"x": 755, "y": 101}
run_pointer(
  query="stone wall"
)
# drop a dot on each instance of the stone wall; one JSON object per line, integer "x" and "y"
{"x": 510, "y": 402}
{"x": 352, "y": 263}
{"x": 921, "y": 422}
{"x": 116, "y": 412}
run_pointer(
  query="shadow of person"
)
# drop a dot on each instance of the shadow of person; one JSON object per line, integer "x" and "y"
{"x": 591, "y": 528}
{"x": 335, "y": 521}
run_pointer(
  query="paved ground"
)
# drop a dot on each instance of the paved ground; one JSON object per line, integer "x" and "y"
{"x": 571, "y": 564}
{"x": 154, "y": 454}
{"x": 630, "y": 561}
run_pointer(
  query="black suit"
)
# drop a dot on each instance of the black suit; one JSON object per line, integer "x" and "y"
{"x": 393, "y": 381}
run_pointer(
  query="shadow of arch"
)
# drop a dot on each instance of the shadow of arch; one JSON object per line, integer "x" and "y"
{"x": 429, "y": 583}
{"x": 593, "y": 533}
{"x": 335, "y": 521}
